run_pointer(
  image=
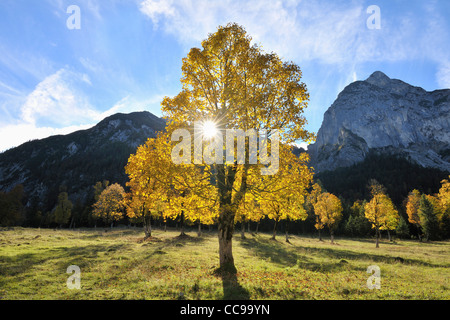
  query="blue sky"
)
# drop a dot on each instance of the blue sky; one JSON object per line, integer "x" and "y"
{"x": 127, "y": 54}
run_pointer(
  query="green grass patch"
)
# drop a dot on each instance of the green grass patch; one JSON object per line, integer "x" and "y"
{"x": 119, "y": 264}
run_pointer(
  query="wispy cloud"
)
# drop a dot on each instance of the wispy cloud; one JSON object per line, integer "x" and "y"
{"x": 57, "y": 100}
{"x": 296, "y": 29}
{"x": 58, "y": 105}
{"x": 332, "y": 33}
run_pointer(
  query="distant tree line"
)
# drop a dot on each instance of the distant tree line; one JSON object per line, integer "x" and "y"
{"x": 343, "y": 202}
{"x": 420, "y": 215}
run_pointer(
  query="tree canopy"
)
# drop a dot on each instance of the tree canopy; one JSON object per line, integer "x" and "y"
{"x": 231, "y": 83}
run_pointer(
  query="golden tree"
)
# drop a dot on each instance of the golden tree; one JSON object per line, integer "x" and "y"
{"x": 444, "y": 202}
{"x": 157, "y": 185}
{"x": 145, "y": 199}
{"x": 282, "y": 194}
{"x": 381, "y": 213}
{"x": 231, "y": 84}
{"x": 444, "y": 194}
{"x": 110, "y": 205}
{"x": 311, "y": 200}
{"x": 412, "y": 210}
{"x": 249, "y": 210}
{"x": 328, "y": 209}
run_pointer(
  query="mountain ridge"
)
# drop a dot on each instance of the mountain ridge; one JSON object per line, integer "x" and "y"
{"x": 77, "y": 160}
{"x": 381, "y": 113}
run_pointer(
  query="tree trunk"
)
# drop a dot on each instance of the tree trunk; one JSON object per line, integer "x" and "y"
{"x": 332, "y": 236}
{"x": 225, "y": 178}
{"x": 257, "y": 227}
{"x": 275, "y": 229}
{"x": 320, "y": 235}
{"x": 377, "y": 239}
{"x": 225, "y": 227}
{"x": 242, "y": 230}
{"x": 199, "y": 232}
{"x": 389, "y": 235}
{"x": 148, "y": 227}
{"x": 182, "y": 223}
{"x": 286, "y": 231}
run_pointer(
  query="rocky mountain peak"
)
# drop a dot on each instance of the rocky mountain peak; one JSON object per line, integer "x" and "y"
{"x": 388, "y": 115}
{"x": 378, "y": 79}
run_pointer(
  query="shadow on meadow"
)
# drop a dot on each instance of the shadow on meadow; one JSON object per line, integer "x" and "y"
{"x": 319, "y": 259}
{"x": 287, "y": 255}
{"x": 62, "y": 256}
{"x": 354, "y": 255}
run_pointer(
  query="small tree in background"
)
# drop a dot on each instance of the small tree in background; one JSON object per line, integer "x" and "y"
{"x": 311, "y": 200}
{"x": 357, "y": 224}
{"x": 11, "y": 207}
{"x": 110, "y": 205}
{"x": 428, "y": 219}
{"x": 63, "y": 209}
{"x": 380, "y": 211}
{"x": 412, "y": 210}
{"x": 402, "y": 229}
{"x": 328, "y": 208}
{"x": 444, "y": 202}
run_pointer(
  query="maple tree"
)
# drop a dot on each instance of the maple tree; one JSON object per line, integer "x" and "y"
{"x": 110, "y": 205}
{"x": 146, "y": 198}
{"x": 158, "y": 187}
{"x": 233, "y": 84}
{"x": 412, "y": 210}
{"x": 282, "y": 195}
{"x": 328, "y": 209}
{"x": 311, "y": 200}
{"x": 444, "y": 202}
{"x": 249, "y": 210}
{"x": 381, "y": 212}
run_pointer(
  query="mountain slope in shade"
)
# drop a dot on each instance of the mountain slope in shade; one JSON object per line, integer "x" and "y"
{"x": 77, "y": 160}
{"x": 386, "y": 116}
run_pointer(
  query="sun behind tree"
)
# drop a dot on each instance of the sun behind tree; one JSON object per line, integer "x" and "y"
{"x": 235, "y": 85}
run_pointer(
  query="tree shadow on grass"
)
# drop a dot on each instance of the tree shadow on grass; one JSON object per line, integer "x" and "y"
{"x": 336, "y": 259}
{"x": 64, "y": 256}
{"x": 269, "y": 248}
{"x": 232, "y": 290}
{"x": 286, "y": 255}
{"x": 352, "y": 255}
{"x": 185, "y": 239}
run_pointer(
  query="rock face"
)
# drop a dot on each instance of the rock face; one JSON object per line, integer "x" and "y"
{"x": 77, "y": 160}
{"x": 385, "y": 115}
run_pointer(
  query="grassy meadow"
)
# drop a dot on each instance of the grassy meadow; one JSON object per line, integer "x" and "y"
{"x": 118, "y": 264}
